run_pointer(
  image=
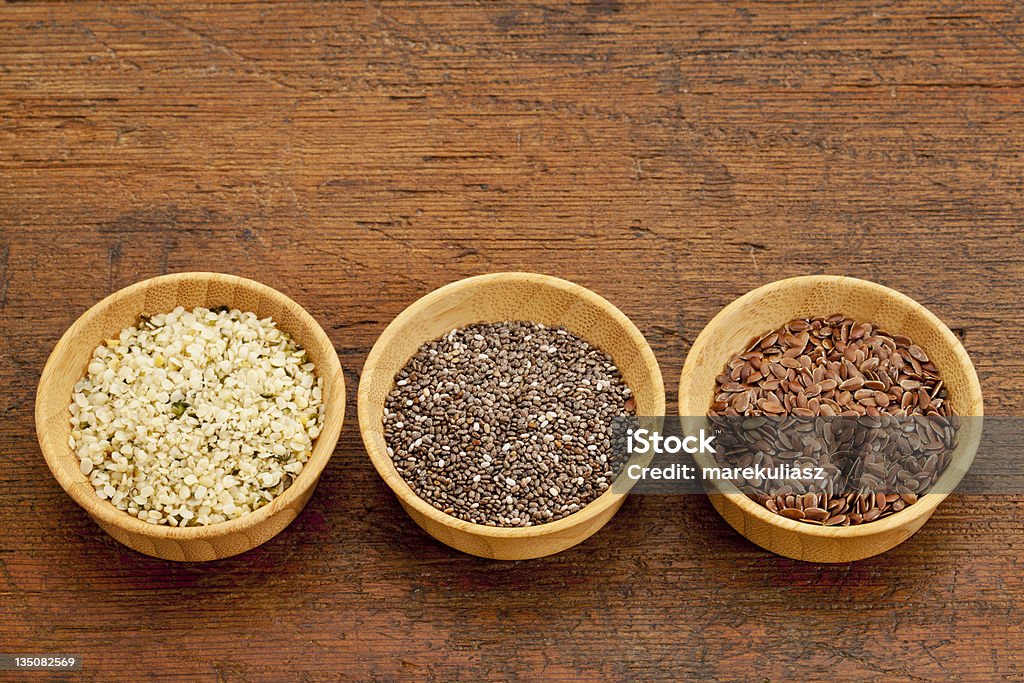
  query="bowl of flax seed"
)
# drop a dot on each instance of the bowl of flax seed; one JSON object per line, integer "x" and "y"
{"x": 849, "y": 378}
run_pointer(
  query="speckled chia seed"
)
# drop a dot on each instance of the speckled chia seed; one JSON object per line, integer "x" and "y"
{"x": 507, "y": 424}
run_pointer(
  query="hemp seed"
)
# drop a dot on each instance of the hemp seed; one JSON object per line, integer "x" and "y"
{"x": 195, "y": 417}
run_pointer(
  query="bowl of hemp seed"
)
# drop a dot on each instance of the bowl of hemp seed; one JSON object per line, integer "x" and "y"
{"x": 488, "y": 407}
{"x": 191, "y": 414}
{"x": 844, "y": 412}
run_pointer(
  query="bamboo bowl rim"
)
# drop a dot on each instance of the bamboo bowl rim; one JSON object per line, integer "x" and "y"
{"x": 59, "y": 458}
{"x": 370, "y": 415}
{"x": 927, "y": 503}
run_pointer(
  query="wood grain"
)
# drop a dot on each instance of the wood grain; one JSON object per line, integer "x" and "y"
{"x": 669, "y": 156}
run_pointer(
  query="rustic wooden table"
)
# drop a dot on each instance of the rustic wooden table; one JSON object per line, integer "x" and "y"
{"x": 358, "y": 155}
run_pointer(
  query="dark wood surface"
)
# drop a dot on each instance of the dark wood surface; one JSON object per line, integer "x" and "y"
{"x": 356, "y": 156}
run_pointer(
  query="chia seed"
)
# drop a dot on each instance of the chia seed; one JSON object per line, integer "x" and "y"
{"x": 507, "y": 424}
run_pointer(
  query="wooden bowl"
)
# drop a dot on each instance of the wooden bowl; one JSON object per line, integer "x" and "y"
{"x": 68, "y": 362}
{"x": 770, "y": 307}
{"x": 495, "y": 298}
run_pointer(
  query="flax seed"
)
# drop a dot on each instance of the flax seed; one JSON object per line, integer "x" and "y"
{"x": 867, "y": 406}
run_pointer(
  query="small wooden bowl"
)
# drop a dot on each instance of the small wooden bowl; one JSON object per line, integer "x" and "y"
{"x": 770, "y": 307}
{"x": 68, "y": 362}
{"x": 494, "y": 298}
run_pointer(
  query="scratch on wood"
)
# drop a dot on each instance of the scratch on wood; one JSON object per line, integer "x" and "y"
{"x": 89, "y": 33}
{"x": 345, "y": 324}
{"x": 753, "y": 248}
{"x": 252, "y": 64}
{"x": 5, "y": 276}
{"x": 462, "y": 251}
{"x": 641, "y": 231}
{"x": 1002, "y": 34}
{"x": 385, "y": 234}
{"x": 113, "y": 265}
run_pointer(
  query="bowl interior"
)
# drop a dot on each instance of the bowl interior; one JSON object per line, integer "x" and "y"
{"x": 68, "y": 362}
{"x": 772, "y": 305}
{"x": 495, "y": 298}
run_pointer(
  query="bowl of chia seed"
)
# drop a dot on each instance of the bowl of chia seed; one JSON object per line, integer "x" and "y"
{"x": 865, "y": 398}
{"x": 488, "y": 405}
